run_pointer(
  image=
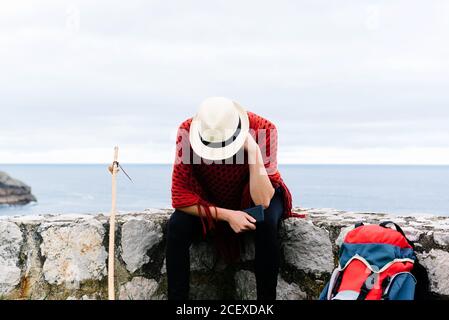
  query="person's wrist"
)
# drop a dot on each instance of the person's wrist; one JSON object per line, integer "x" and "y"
{"x": 225, "y": 214}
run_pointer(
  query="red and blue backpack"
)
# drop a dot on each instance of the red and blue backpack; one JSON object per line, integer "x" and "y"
{"x": 375, "y": 263}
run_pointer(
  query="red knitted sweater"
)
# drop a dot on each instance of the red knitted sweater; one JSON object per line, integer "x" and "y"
{"x": 219, "y": 184}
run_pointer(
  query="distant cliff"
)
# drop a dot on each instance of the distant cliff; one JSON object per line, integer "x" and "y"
{"x": 14, "y": 192}
{"x": 65, "y": 256}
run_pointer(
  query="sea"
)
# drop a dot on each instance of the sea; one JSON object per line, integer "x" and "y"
{"x": 392, "y": 189}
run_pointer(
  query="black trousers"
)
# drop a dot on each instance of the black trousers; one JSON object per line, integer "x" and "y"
{"x": 183, "y": 228}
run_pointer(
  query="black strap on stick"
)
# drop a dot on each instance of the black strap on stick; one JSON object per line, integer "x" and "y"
{"x": 121, "y": 168}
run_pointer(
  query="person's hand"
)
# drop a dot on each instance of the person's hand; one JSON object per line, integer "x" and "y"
{"x": 241, "y": 221}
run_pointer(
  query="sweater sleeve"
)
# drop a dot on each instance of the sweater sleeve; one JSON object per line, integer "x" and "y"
{"x": 185, "y": 190}
{"x": 266, "y": 136}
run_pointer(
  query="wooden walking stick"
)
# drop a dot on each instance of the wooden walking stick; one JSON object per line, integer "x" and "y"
{"x": 111, "y": 289}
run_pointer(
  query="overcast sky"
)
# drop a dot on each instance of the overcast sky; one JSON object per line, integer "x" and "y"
{"x": 345, "y": 81}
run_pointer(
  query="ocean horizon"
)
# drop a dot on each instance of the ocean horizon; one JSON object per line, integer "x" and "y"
{"x": 86, "y": 188}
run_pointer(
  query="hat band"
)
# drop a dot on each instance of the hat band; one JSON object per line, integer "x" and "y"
{"x": 223, "y": 144}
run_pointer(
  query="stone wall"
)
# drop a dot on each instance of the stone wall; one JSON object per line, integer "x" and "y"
{"x": 65, "y": 256}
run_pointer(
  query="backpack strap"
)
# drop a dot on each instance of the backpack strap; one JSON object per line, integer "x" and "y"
{"x": 385, "y": 285}
{"x": 368, "y": 284}
{"x": 337, "y": 284}
{"x": 398, "y": 229}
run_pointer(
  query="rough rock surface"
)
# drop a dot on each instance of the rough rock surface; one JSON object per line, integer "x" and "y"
{"x": 202, "y": 257}
{"x": 289, "y": 291}
{"x": 73, "y": 252}
{"x": 441, "y": 238}
{"x": 245, "y": 285}
{"x": 10, "y": 243}
{"x": 13, "y": 191}
{"x": 245, "y": 288}
{"x": 138, "y": 288}
{"x": 138, "y": 237}
{"x": 65, "y": 256}
{"x": 307, "y": 247}
{"x": 436, "y": 262}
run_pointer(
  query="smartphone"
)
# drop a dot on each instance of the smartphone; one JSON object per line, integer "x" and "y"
{"x": 256, "y": 212}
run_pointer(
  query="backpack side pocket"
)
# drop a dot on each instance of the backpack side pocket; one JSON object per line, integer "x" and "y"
{"x": 402, "y": 287}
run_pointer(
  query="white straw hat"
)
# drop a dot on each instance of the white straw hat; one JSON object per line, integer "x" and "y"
{"x": 219, "y": 129}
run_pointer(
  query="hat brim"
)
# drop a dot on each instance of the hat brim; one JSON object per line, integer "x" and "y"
{"x": 226, "y": 152}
